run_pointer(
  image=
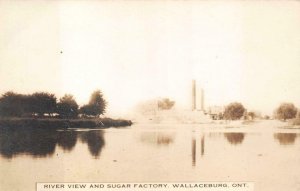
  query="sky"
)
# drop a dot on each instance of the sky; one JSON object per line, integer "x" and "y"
{"x": 245, "y": 51}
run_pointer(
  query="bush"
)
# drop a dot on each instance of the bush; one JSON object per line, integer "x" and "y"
{"x": 286, "y": 111}
{"x": 13, "y": 104}
{"x": 165, "y": 104}
{"x": 96, "y": 105}
{"x": 42, "y": 103}
{"x": 234, "y": 111}
{"x": 67, "y": 107}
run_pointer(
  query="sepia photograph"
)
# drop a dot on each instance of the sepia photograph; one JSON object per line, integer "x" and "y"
{"x": 158, "y": 95}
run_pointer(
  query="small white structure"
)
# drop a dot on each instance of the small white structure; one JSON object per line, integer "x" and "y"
{"x": 216, "y": 112}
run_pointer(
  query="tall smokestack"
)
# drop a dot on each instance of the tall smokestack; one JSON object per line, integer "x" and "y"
{"x": 194, "y": 95}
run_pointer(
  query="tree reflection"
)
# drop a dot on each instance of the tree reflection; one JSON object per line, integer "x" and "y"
{"x": 38, "y": 143}
{"x": 95, "y": 141}
{"x": 157, "y": 138}
{"x": 286, "y": 138}
{"x": 235, "y": 138}
{"x": 164, "y": 140}
{"x": 42, "y": 142}
{"x": 67, "y": 139}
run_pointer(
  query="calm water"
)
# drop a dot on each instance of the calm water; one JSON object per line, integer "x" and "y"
{"x": 264, "y": 154}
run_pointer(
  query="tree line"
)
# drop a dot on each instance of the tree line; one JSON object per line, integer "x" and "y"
{"x": 40, "y": 104}
{"x": 235, "y": 111}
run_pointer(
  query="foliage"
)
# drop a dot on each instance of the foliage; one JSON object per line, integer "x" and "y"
{"x": 18, "y": 105}
{"x": 13, "y": 104}
{"x": 67, "y": 107}
{"x": 96, "y": 105}
{"x": 165, "y": 104}
{"x": 42, "y": 102}
{"x": 286, "y": 111}
{"x": 86, "y": 110}
{"x": 252, "y": 115}
{"x": 234, "y": 111}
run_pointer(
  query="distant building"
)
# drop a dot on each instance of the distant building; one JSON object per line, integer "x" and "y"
{"x": 153, "y": 111}
{"x": 216, "y": 112}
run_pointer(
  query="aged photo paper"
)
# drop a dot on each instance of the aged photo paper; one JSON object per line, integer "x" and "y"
{"x": 99, "y": 95}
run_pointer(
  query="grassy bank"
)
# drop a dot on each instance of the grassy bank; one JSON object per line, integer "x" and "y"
{"x": 63, "y": 123}
{"x": 295, "y": 121}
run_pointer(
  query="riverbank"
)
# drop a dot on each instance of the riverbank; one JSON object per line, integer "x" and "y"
{"x": 295, "y": 121}
{"x": 62, "y": 123}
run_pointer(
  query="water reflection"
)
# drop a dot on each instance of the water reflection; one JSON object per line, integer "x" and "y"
{"x": 67, "y": 139}
{"x": 202, "y": 145}
{"x": 38, "y": 144}
{"x": 235, "y": 138}
{"x": 285, "y": 138}
{"x": 42, "y": 142}
{"x": 194, "y": 148}
{"x": 95, "y": 141}
{"x": 193, "y": 152}
{"x": 157, "y": 138}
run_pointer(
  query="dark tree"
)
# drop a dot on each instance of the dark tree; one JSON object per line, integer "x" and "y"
{"x": 286, "y": 111}
{"x": 251, "y": 114}
{"x": 13, "y": 104}
{"x": 96, "y": 105}
{"x": 98, "y": 102}
{"x": 86, "y": 110}
{"x": 234, "y": 111}
{"x": 67, "y": 107}
{"x": 165, "y": 104}
{"x": 42, "y": 103}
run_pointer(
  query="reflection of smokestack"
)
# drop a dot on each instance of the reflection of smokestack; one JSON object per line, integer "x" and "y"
{"x": 194, "y": 152}
{"x": 194, "y": 95}
{"x": 202, "y": 145}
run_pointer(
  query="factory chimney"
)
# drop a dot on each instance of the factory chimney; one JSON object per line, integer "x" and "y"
{"x": 193, "y": 95}
{"x": 197, "y": 97}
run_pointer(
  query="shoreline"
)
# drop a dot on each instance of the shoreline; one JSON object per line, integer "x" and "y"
{"x": 54, "y": 123}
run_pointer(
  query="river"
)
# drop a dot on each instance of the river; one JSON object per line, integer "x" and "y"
{"x": 266, "y": 155}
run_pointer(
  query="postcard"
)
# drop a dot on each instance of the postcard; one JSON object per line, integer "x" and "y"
{"x": 149, "y": 95}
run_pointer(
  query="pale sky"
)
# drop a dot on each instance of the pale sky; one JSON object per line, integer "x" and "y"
{"x": 246, "y": 51}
